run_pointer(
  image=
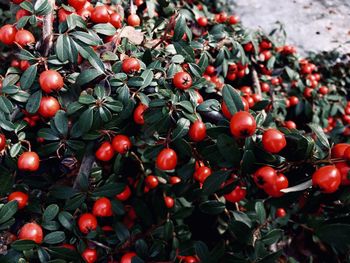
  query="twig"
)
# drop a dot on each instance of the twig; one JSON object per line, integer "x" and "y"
{"x": 85, "y": 167}
{"x": 47, "y": 40}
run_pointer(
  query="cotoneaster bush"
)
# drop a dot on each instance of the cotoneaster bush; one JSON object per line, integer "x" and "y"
{"x": 165, "y": 131}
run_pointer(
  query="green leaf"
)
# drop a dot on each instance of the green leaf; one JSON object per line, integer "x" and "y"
{"x": 5, "y": 105}
{"x": 42, "y": 7}
{"x": 260, "y": 212}
{"x": 147, "y": 76}
{"x": 88, "y": 76}
{"x": 180, "y": 28}
{"x": 50, "y": 212}
{"x": 90, "y": 54}
{"x": 272, "y": 236}
{"x": 21, "y": 245}
{"x": 33, "y": 102}
{"x": 66, "y": 220}
{"x": 185, "y": 50}
{"x": 212, "y": 207}
{"x": 86, "y": 120}
{"x": 86, "y": 38}
{"x": 8, "y": 210}
{"x": 61, "y": 122}
{"x": 336, "y": 235}
{"x": 105, "y": 29}
{"x": 15, "y": 149}
{"x": 241, "y": 231}
{"x": 108, "y": 190}
{"x": 214, "y": 182}
{"x": 28, "y": 77}
{"x": 320, "y": 135}
{"x": 54, "y": 237}
{"x": 182, "y": 128}
{"x": 48, "y": 134}
{"x": 61, "y": 51}
{"x": 232, "y": 99}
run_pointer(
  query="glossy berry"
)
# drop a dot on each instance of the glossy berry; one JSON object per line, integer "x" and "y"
{"x": 138, "y": 114}
{"x": 89, "y": 255}
{"x": 20, "y": 197}
{"x": 105, "y": 152}
{"x": 197, "y": 131}
{"x": 8, "y": 34}
{"x": 24, "y": 37}
{"x": 131, "y": 65}
{"x": 202, "y": 21}
{"x": 273, "y": 141}
{"x": 2, "y": 142}
{"x": 63, "y": 14}
{"x": 236, "y": 194}
{"x": 77, "y": 4}
{"x": 182, "y": 80}
{"x": 31, "y": 231}
{"x": 50, "y": 80}
{"x": 102, "y": 207}
{"x": 134, "y": 20}
{"x": 280, "y": 212}
{"x": 151, "y": 181}
{"x": 232, "y": 20}
{"x": 242, "y": 124}
{"x": 116, "y": 20}
{"x": 290, "y": 125}
{"x": 346, "y": 155}
{"x": 166, "y": 159}
{"x": 87, "y": 222}
{"x": 274, "y": 190}
{"x": 28, "y": 161}
{"x": 338, "y": 150}
{"x": 265, "y": 176}
{"x": 100, "y": 14}
{"x": 344, "y": 169}
{"x": 127, "y": 257}
{"x": 169, "y": 202}
{"x": 121, "y": 144}
{"x": 293, "y": 100}
{"x": 48, "y": 107}
{"x": 327, "y": 178}
{"x": 202, "y": 173}
{"x": 123, "y": 196}
{"x": 174, "y": 180}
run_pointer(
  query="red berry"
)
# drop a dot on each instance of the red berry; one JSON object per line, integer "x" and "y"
{"x": 166, "y": 159}
{"x": 116, "y": 20}
{"x": 138, "y": 114}
{"x": 236, "y": 194}
{"x": 169, "y": 202}
{"x": 290, "y": 124}
{"x": 242, "y": 124}
{"x": 48, "y": 107}
{"x": 131, "y": 65}
{"x": 127, "y": 258}
{"x": 105, "y": 152}
{"x": 174, "y": 180}
{"x": 28, "y": 161}
{"x": 121, "y": 144}
{"x": 24, "y": 37}
{"x": 31, "y": 231}
{"x": 102, "y": 207}
{"x": 265, "y": 176}
{"x": 327, "y": 178}
{"x": 8, "y": 34}
{"x": 134, "y": 20}
{"x": 151, "y": 181}
{"x": 338, "y": 150}
{"x": 280, "y": 212}
{"x": 202, "y": 21}
{"x": 87, "y": 222}
{"x": 63, "y": 14}
{"x": 100, "y": 14}
{"x": 77, "y": 4}
{"x": 123, "y": 196}
{"x": 20, "y": 197}
{"x": 89, "y": 255}
{"x": 197, "y": 131}
{"x": 233, "y": 20}
{"x": 182, "y": 80}
{"x": 2, "y": 142}
{"x": 274, "y": 189}
{"x": 202, "y": 173}
{"x": 50, "y": 80}
{"x": 344, "y": 170}
{"x": 293, "y": 100}
{"x": 273, "y": 141}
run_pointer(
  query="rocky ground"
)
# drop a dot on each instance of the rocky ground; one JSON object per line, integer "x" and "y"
{"x": 311, "y": 25}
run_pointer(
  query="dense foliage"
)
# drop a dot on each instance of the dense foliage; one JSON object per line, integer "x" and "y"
{"x": 165, "y": 131}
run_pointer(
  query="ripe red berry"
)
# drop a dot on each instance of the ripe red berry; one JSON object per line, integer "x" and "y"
{"x": 20, "y": 197}
{"x": 48, "y": 107}
{"x": 50, "y": 80}
{"x": 280, "y": 212}
{"x": 344, "y": 170}
{"x": 63, "y": 14}
{"x": 100, "y": 14}
{"x": 197, "y": 131}
{"x": 290, "y": 124}
{"x": 202, "y": 173}
{"x": 89, "y": 255}
{"x": 151, "y": 181}
{"x": 166, "y": 159}
{"x": 123, "y": 196}
{"x": 346, "y": 155}
{"x": 242, "y": 124}
{"x": 131, "y": 65}
{"x": 338, "y": 150}
{"x": 202, "y": 21}
{"x": 274, "y": 189}
{"x": 8, "y": 34}
{"x": 169, "y": 202}
{"x": 236, "y": 194}
{"x": 31, "y": 231}
{"x": 127, "y": 257}
{"x": 116, "y": 20}
{"x": 2, "y": 142}
{"x": 24, "y": 37}
{"x": 233, "y": 20}
{"x": 87, "y": 222}
{"x": 273, "y": 141}
{"x": 121, "y": 144}
{"x": 265, "y": 176}
{"x": 102, "y": 207}
{"x": 182, "y": 80}
{"x": 174, "y": 180}
{"x": 293, "y": 100}
{"x": 134, "y": 20}
{"x": 105, "y": 152}
{"x": 28, "y": 161}
{"x": 77, "y": 4}
{"x": 327, "y": 178}
{"x": 138, "y": 114}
